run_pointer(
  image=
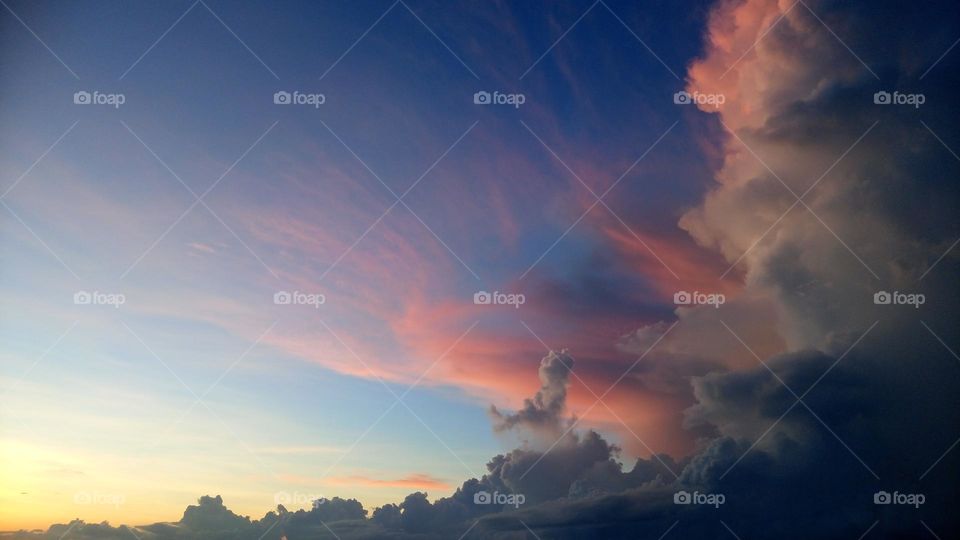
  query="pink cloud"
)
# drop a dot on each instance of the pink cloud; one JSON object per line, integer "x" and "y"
{"x": 419, "y": 481}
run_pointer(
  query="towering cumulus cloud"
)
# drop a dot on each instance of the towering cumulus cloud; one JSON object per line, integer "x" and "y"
{"x": 827, "y": 196}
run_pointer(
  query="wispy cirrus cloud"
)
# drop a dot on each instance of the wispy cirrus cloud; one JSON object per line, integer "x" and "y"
{"x": 419, "y": 481}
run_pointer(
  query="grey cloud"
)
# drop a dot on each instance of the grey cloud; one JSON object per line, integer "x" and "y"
{"x": 542, "y": 415}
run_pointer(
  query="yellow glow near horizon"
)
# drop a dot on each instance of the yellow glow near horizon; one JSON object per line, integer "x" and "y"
{"x": 42, "y": 486}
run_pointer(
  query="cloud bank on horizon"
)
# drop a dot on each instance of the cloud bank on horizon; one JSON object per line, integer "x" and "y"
{"x": 802, "y": 398}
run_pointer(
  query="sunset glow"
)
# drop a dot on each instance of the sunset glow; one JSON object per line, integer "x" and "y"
{"x": 478, "y": 270}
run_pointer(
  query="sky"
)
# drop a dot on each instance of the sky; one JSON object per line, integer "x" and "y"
{"x": 631, "y": 154}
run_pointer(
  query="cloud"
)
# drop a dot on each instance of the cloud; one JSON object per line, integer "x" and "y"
{"x": 203, "y": 248}
{"x": 211, "y": 515}
{"x": 415, "y": 481}
{"x": 543, "y": 414}
{"x": 799, "y": 100}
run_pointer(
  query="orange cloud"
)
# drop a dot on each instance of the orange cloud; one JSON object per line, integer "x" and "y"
{"x": 417, "y": 481}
